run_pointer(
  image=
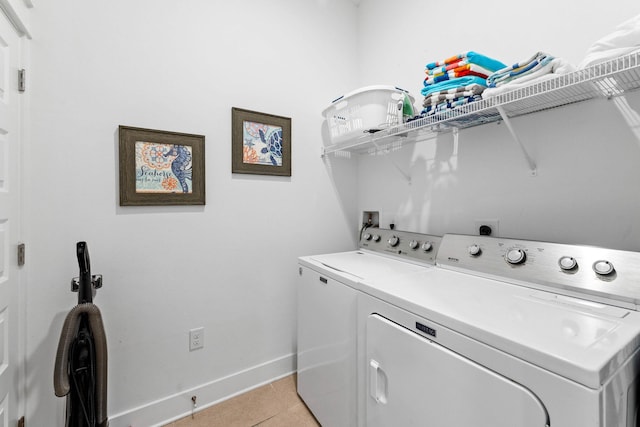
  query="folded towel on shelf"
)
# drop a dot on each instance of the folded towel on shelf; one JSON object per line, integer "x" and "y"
{"x": 454, "y": 84}
{"x": 548, "y": 71}
{"x": 443, "y": 69}
{"x": 454, "y": 93}
{"x": 533, "y": 64}
{"x": 456, "y": 81}
{"x": 469, "y": 69}
{"x": 624, "y": 40}
{"x": 472, "y": 57}
{"x": 449, "y": 105}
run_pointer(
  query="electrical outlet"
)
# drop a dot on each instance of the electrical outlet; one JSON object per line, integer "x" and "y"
{"x": 196, "y": 338}
{"x": 491, "y": 223}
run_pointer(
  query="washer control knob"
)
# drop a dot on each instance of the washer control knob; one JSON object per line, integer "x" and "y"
{"x": 427, "y": 246}
{"x": 413, "y": 244}
{"x": 376, "y": 238}
{"x": 602, "y": 267}
{"x": 515, "y": 256}
{"x": 567, "y": 263}
{"x": 474, "y": 250}
{"x": 367, "y": 236}
{"x": 393, "y": 241}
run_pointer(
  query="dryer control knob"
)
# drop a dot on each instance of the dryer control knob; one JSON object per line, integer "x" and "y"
{"x": 376, "y": 238}
{"x": 603, "y": 267}
{"x": 515, "y": 256}
{"x": 367, "y": 236}
{"x": 427, "y": 246}
{"x": 567, "y": 263}
{"x": 394, "y": 240}
{"x": 474, "y": 250}
{"x": 413, "y": 244}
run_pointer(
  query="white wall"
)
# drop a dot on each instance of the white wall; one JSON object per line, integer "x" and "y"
{"x": 586, "y": 190}
{"x": 229, "y": 266}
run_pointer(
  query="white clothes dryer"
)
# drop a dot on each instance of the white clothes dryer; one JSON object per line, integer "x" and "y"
{"x": 503, "y": 333}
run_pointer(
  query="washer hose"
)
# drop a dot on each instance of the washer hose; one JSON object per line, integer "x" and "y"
{"x": 67, "y": 336}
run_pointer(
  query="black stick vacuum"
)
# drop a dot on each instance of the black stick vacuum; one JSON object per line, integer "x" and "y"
{"x": 80, "y": 371}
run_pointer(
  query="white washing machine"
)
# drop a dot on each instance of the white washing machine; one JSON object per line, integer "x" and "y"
{"x": 327, "y": 313}
{"x": 502, "y": 333}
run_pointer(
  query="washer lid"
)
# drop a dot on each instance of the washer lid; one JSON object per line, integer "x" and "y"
{"x": 577, "y": 339}
{"x": 363, "y": 265}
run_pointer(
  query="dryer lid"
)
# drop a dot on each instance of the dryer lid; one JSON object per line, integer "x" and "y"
{"x": 577, "y": 339}
{"x": 438, "y": 385}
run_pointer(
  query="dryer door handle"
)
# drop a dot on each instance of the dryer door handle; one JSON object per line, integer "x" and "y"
{"x": 377, "y": 382}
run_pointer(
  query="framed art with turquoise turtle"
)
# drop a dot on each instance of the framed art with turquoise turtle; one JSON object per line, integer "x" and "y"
{"x": 160, "y": 167}
{"x": 261, "y": 143}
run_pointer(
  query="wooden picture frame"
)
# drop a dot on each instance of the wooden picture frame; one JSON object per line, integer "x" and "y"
{"x": 160, "y": 167}
{"x": 261, "y": 143}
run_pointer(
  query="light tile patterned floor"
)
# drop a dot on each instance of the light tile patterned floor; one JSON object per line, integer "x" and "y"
{"x": 272, "y": 405}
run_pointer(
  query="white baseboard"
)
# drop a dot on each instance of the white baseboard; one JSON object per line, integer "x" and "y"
{"x": 176, "y": 406}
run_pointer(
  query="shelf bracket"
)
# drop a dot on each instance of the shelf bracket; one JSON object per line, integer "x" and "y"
{"x": 406, "y": 176}
{"x": 532, "y": 165}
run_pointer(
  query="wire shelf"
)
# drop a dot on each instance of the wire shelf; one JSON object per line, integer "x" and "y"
{"x": 606, "y": 80}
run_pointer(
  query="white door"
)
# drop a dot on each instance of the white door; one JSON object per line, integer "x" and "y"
{"x": 10, "y": 201}
{"x": 416, "y": 382}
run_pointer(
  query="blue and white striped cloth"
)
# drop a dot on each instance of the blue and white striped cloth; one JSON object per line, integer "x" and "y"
{"x": 519, "y": 69}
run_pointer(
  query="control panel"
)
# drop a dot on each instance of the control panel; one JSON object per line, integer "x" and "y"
{"x": 599, "y": 274}
{"x": 405, "y": 244}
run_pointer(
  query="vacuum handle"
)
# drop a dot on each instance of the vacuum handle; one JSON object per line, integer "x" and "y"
{"x": 85, "y": 288}
{"x": 83, "y": 258}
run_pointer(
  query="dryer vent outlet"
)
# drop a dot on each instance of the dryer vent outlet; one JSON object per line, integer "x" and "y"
{"x": 371, "y": 218}
{"x": 487, "y": 227}
{"x": 485, "y": 230}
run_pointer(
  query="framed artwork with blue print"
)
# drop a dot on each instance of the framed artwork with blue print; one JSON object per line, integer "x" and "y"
{"x": 160, "y": 167}
{"x": 261, "y": 143}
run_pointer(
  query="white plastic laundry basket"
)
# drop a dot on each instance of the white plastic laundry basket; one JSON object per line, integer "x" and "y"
{"x": 368, "y": 109}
